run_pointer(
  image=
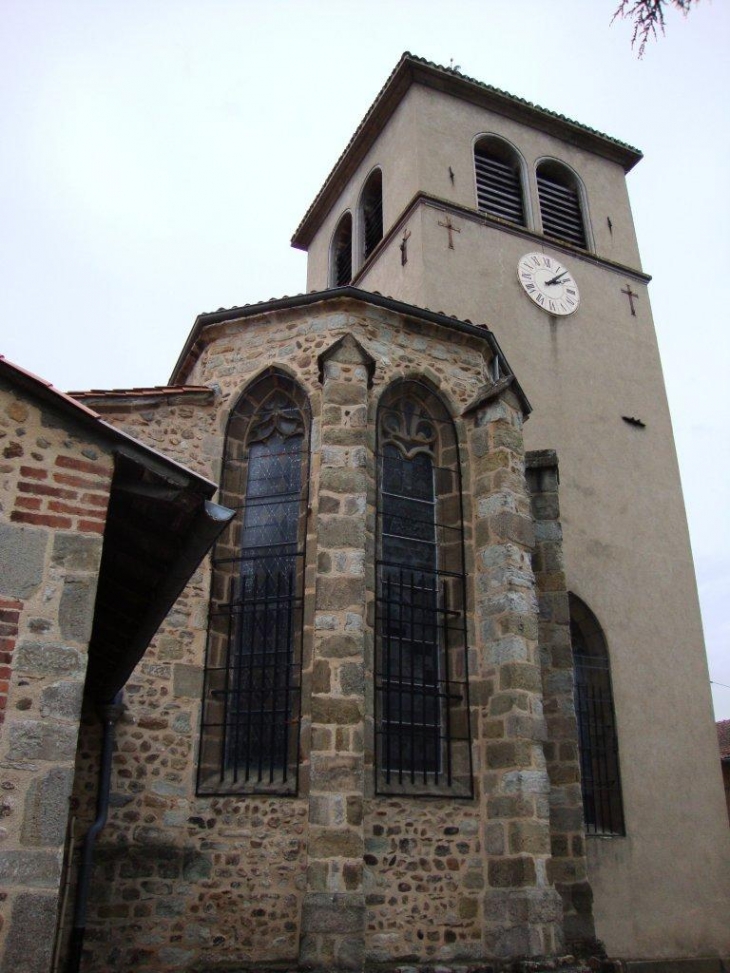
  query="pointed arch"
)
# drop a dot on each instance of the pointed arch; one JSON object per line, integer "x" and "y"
{"x": 596, "y": 716}
{"x": 500, "y": 179}
{"x": 562, "y": 203}
{"x": 421, "y": 678}
{"x": 251, "y": 699}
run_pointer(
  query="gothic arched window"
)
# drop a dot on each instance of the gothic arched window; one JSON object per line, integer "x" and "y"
{"x": 560, "y": 204}
{"x": 422, "y": 704}
{"x": 499, "y": 180}
{"x": 371, "y": 213}
{"x": 341, "y": 255}
{"x": 597, "y": 737}
{"x": 251, "y": 704}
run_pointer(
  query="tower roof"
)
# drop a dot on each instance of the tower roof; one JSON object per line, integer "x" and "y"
{"x": 415, "y": 70}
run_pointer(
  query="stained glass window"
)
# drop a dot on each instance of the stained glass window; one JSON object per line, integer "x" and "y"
{"x": 251, "y": 708}
{"x": 422, "y": 708}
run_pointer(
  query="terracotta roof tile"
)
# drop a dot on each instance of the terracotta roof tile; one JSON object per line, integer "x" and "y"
{"x": 723, "y": 738}
{"x": 67, "y": 397}
{"x": 68, "y": 403}
{"x": 135, "y": 393}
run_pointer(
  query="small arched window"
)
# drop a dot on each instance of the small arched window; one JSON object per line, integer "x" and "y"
{"x": 341, "y": 256}
{"x": 597, "y": 737}
{"x": 371, "y": 213}
{"x": 499, "y": 180}
{"x": 560, "y": 204}
{"x": 422, "y": 704}
{"x": 251, "y": 704}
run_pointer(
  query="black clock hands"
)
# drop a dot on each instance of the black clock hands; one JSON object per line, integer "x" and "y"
{"x": 555, "y": 280}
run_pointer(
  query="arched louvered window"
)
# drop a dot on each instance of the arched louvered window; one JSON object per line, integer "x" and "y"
{"x": 597, "y": 737}
{"x": 251, "y": 705}
{"x": 499, "y": 180}
{"x": 371, "y": 212}
{"x": 560, "y": 205}
{"x": 422, "y": 702}
{"x": 341, "y": 256}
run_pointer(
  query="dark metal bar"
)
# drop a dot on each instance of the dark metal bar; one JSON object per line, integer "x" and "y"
{"x": 289, "y": 678}
{"x": 447, "y": 680}
{"x": 253, "y": 610}
{"x": 387, "y": 669}
{"x": 227, "y": 700}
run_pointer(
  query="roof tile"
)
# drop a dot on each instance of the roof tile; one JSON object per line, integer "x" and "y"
{"x": 723, "y": 738}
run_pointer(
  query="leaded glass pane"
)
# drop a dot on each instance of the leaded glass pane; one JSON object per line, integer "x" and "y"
{"x": 421, "y": 638}
{"x": 251, "y": 710}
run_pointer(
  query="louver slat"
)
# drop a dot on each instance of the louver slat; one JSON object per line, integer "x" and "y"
{"x": 499, "y": 190}
{"x": 343, "y": 254}
{"x": 561, "y": 214}
{"x": 373, "y": 224}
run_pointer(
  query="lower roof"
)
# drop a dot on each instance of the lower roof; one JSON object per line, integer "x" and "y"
{"x": 195, "y": 341}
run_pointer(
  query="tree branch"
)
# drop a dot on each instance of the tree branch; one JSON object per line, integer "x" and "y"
{"x": 648, "y": 18}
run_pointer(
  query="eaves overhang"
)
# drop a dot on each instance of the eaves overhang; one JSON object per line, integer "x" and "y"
{"x": 195, "y": 341}
{"x": 160, "y": 523}
{"x": 87, "y": 418}
{"x": 412, "y": 70}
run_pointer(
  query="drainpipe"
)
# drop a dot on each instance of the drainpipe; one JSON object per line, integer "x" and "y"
{"x": 110, "y": 714}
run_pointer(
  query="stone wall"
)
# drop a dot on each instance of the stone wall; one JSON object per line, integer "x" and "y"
{"x": 567, "y": 868}
{"x": 336, "y": 876}
{"x": 54, "y": 488}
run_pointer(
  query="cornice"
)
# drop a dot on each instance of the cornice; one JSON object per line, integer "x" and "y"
{"x": 412, "y": 70}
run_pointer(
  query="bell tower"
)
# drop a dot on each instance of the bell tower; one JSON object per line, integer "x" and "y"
{"x": 455, "y": 196}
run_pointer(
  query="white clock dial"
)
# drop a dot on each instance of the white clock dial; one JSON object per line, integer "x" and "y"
{"x": 548, "y": 283}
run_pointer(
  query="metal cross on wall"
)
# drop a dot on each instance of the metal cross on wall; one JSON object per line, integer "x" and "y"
{"x": 452, "y": 229}
{"x": 404, "y": 247}
{"x": 631, "y": 295}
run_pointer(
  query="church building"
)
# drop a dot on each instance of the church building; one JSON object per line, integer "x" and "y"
{"x": 438, "y": 698}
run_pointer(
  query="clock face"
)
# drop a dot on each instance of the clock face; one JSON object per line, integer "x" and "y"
{"x": 548, "y": 283}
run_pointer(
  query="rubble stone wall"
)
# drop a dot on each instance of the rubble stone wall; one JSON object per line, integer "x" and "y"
{"x": 335, "y": 876}
{"x": 54, "y": 490}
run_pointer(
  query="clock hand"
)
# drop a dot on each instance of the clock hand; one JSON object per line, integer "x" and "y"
{"x": 555, "y": 280}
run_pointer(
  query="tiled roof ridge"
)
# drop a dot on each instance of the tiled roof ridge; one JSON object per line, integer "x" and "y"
{"x": 67, "y": 401}
{"x": 329, "y": 292}
{"x": 360, "y": 127}
{"x": 137, "y": 391}
{"x": 723, "y": 738}
{"x": 522, "y": 101}
{"x": 67, "y": 397}
{"x": 407, "y": 56}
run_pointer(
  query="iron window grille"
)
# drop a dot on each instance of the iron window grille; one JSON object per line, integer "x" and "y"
{"x": 596, "y": 717}
{"x": 562, "y": 217}
{"x": 499, "y": 183}
{"x": 422, "y": 719}
{"x": 252, "y": 687}
{"x": 372, "y": 213}
{"x": 342, "y": 252}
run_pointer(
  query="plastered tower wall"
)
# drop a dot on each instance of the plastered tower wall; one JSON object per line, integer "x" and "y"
{"x": 626, "y": 544}
{"x": 336, "y": 876}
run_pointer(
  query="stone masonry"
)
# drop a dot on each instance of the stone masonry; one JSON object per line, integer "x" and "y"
{"x": 334, "y": 877}
{"x": 567, "y": 867}
{"x": 54, "y": 488}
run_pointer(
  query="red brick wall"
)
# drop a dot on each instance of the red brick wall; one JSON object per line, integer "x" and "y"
{"x": 73, "y": 494}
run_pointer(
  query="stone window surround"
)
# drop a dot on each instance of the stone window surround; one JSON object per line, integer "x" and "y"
{"x": 245, "y": 409}
{"x": 374, "y": 396}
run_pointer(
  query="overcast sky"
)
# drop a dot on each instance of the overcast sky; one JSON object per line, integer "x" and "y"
{"x": 156, "y": 156}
